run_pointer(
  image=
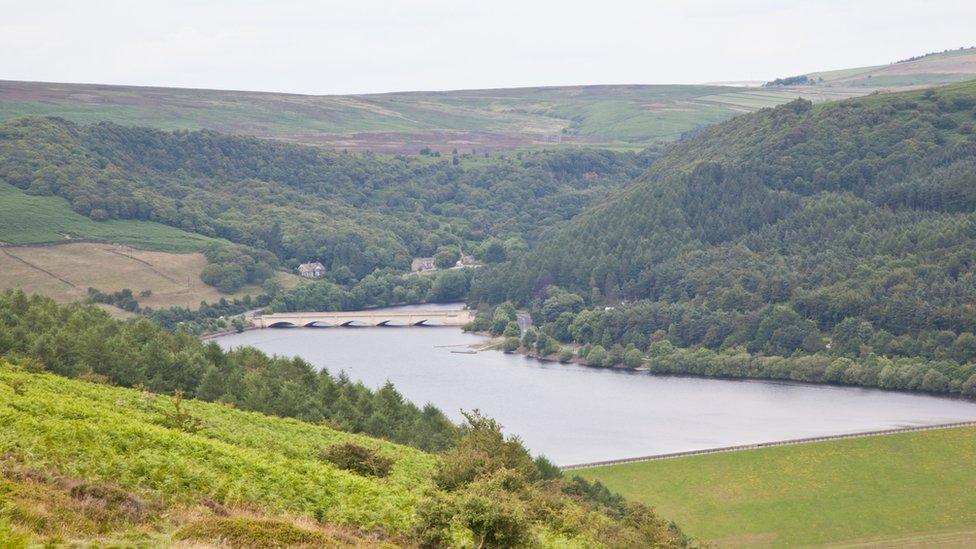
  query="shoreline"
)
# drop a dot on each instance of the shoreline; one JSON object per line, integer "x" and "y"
{"x": 760, "y": 445}
{"x": 493, "y": 344}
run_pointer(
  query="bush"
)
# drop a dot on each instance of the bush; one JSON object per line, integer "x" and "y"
{"x": 496, "y": 517}
{"x": 482, "y": 450}
{"x": 547, "y": 470}
{"x": 566, "y": 355}
{"x": 511, "y": 344}
{"x": 597, "y": 356}
{"x": 445, "y": 258}
{"x": 227, "y": 278}
{"x": 179, "y": 417}
{"x": 434, "y": 518}
{"x": 358, "y": 459}
{"x": 632, "y": 358}
{"x": 248, "y": 532}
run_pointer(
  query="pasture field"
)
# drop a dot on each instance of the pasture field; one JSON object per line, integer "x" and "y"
{"x": 75, "y": 253}
{"x": 66, "y": 271}
{"x": 30, "y": 219}
{"x": 90, "y": 463}
{"x": 906, "y": 489}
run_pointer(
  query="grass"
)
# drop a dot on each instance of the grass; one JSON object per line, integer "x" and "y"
{"x": 116, "y": 443}
{"x": 29, "y": 219}
{"x": 66, "y": 271}
{"x": 893, "y": 488}
{"x": 74, "y": 253}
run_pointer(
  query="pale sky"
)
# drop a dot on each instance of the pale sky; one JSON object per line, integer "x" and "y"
{"x": 362, "y": 46}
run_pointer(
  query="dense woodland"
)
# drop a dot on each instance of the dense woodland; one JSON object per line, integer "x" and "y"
{"x": 845, "y": 230}
{"x": 285, "y": 204}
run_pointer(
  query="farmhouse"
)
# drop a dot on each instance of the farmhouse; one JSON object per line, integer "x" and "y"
{"x": 422, "y": 264}
{"x": 311, "y": 270}
{"x": 467, "y": 262}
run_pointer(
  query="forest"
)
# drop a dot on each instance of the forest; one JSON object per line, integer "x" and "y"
{"x": 283, "y": 204}
{"x": 845, "y": 229}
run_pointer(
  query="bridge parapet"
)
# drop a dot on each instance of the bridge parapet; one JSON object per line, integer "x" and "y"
{"x": 366, "y": 318}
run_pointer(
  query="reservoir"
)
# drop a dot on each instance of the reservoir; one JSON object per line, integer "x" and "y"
{"x": 576, "y": 414}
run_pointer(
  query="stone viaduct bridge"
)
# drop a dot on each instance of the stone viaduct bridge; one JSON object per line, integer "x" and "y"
{"x": 365, "y": 318}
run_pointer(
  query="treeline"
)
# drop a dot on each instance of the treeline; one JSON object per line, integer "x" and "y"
{"x": 846, "y": 230}
{"x": 379, "y": 289}
{"x": 79, "y": 340}
{"x": 289, "y": 204}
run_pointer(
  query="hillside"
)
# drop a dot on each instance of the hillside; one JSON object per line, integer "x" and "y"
{"x": 85, "y": 463}
{"x": 205, "y": 435}
{"x": 481, "y": 120}
{"x": 285, "y": 203}
{"x": 924, "y": 70}
{"x": 781, "y": 232}
{"x": 903, "y": 490}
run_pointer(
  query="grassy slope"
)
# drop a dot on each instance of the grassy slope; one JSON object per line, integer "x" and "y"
{"x": 28, "y": 219}
{"x": 483, "y": 119}
{"x": 403, "y": 122}
{"x": 66, "y": 271}
{"x": 888, "y": 487}
{"x": 929, "y": 70}
{"x": 96, "y": 433}
{"x": 166, "y": 260}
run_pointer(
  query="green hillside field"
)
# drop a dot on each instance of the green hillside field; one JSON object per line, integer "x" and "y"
{"x": 31, "y": 219}
{"x": 84, "y": 463}
{"x": 906, "y": 488}
{"x": 106, "y": 436}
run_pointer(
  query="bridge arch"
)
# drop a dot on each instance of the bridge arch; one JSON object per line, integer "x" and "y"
{"x": 283, "y": 324}
{"x": 319, "y": 324}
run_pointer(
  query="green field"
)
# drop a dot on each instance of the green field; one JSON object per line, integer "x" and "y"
{"x": 902, "y": 487}
{"x": 29, "y": 219}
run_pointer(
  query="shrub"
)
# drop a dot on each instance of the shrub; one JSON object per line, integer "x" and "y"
{"x": 546, "y": 469}
{"x": 496, "y": 517}
{"x": 113, "y": 502}
{"x": 482, "y": 450}
{"x": 511, "y": 344}
{"x": 358, "y": 459}
{"x": 179, "y": 417}
{"x": 434, "y": 518}
{"x": 512, "y": 330}
{"x": 566, "y": 355}
{"x": 248, "y": 532}
{"x": 597, "y": 356}
{"x": 632, "y": 358}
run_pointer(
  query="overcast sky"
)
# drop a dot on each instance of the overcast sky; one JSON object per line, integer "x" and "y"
{"x": 359, "y": 46}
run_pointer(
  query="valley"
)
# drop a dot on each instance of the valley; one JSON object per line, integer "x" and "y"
{"x": 736, "y": 314}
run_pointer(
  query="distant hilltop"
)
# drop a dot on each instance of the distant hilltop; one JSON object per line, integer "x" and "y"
{"x": 478, "y": 121}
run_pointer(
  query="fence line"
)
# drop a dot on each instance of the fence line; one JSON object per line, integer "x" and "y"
{"x": 767, "y": 445}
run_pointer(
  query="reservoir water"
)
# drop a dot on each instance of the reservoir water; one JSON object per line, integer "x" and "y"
{"x": 576, "y": 414}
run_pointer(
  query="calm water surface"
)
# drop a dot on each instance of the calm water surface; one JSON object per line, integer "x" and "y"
{"x": 576, "y": 414}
